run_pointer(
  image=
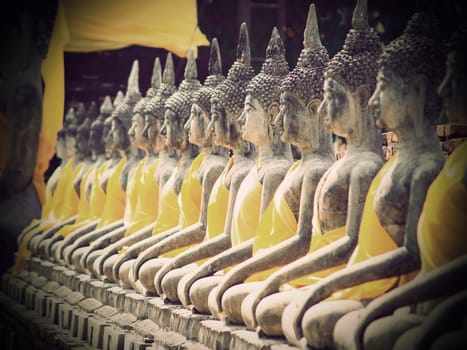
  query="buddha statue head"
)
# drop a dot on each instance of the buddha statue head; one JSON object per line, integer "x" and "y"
{"x": 70, "y": 133}
{"x": 197, "y": 124}
{"x": 411, "y": 68}
{"x": 178, "y": 106}
{"x": 228, "y": 98}
{"x": 262, "y": 98}
{"x": 302, "y": 93}
{"x": 96, "y": 134}
{"x": 138, "y": 120}
{"x": 453, "y": 88}
{"x": 118, "y": 100}
{"x": 82, "y": 149}
{"x": 350, "y": 79}
{"x": 122, "y": 115}
{"x": 60, "y": 144}
{"x": 80, "y": 113}
{"x": 155, "y": 107}
{"x": 69, "y": 117}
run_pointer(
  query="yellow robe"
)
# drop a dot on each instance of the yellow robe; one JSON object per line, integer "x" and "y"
{"x": 247, "y": 207}
{"x": 115, "y": 200}
{"x": 442, "y": 236}
{"x": 373, "y": 240}
{"x": 189, "y": 200}
{"x": 145, "y": 190}
{"x": 168, "y": 206}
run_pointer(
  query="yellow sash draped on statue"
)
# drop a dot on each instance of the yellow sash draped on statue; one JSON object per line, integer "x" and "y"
{"x": 218, "y": 204}
{"x": 277, "y": 224}
{"x": 147, "y": 201}
{"x": 98, "y": 196}
{"x": 71, "y": 199}
{"x": 247, "y": 208}
{"x": 115, "y": 200}
{"x": 442, "y": 235}
{"x": 168, "y": 206}
{"x": 83, "y": 205}
{"x": 189, "y": 200}
{"x": 132, "y": 188}
{"x": 373, "y": 240}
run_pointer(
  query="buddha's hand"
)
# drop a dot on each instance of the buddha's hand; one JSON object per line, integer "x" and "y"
{"x": 292, "y": 322}
{"x": 140, "y": 260}
{"x": 250, "y": 303}
{"x": 215, "y": 302}
{"x": 183, "y": 288}
{"x": 166, "y": 268}
{"x": 348, "y": 332}
{"x": 98, "y": 265}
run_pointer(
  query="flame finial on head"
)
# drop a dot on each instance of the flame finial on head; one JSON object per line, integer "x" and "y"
{"x": 106, "y": 106}
{"x": 156, "y": 77}
{"x": 191, "y": 72}
{"x": 169, "y": 72}
{"x": 311, "y": 36}
{"x": 118, "y": 99}
{"x": 360, "y": 15}
{"x": 133, "y": 80}
{"x": 243, "y": 48}
{"x": 215, "y": 60}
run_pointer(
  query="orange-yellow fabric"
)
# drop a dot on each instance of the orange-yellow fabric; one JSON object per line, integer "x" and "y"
{"x": 49, "y": 191}
{"x": 132, "y": 193}
{"x": 189, "y": 200}
{"x": 87, "y": 25}
{"x": 71, "y": 199}
{"x": 373, "y": 240}
{"x": 114, "y": 207}
{"x": 169, "y": 210}
{"x": 53, "y": 76}
{"x": 217, "y": 206}
{"x": 83, "y": 204}
{"x": 147, "y": 200}
{"x": 97, "y": 197}
{"x": 247, "y": 208}
{"x": 442, "y": 235}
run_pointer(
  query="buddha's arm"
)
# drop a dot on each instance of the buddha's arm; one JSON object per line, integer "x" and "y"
{"x": 76, "y": 234}
{"x": 284, "y": 252}
{"x": 442, "y": 282}
{"x": 50, "y": 232}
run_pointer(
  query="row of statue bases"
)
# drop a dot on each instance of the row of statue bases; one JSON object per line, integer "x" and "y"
{"x": 192, "y": 193}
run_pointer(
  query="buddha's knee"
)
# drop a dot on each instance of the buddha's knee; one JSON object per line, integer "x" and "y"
{"x": 92, "y": 257}
{"x": 55, "y": 250}
{"x": 124, "y": 274}
{"x": 319, "y": 321}
{"x": 409, "y": 339}
{"x": 199, "y": 292}
{"x": 270, "y": 309}
{"x": 170, "y": 281}
{"x": 383, "y": 333}
{"x": 233, "y": 298}
{"x": 75, "y": 257}
{"x": 451, "y": 340}
{"x": 344, "y": 330}
{"x": 108, "y": 265}
{"x": 43, "y": 247}
{"x": 147, "y": 272}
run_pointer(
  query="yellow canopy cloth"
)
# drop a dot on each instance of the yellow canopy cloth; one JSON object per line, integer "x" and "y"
{"x": 87, "y": 25}
{"x": 217, "y": 206}
{"x": 373, "y": 240}
{"x": 147, "y": 201}
{"x": 442, "y": 235}
{"x": 189, "y": 200}
{"x": 246, "y": 210}
{"x": 115, "y": 200}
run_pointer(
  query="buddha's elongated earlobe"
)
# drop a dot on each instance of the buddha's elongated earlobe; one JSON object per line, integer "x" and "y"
{"x": 419, "y": 82}
{"x": 312, "y": 108}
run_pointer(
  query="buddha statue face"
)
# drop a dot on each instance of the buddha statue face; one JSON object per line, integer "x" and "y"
{"x": 176, "y": 136}
{"x": 70, "y": 141}
{"x": 82, "y": 141}
{"x": 119, "y": 135}
{"x": 197, "y": 127}
{"x": 453, "y": 88}
{"x": 224, "y": 126}
{"x": 107, "y": 136}
{"x": 296, "y": 121}
{"x": 136, "y": 131}
{"x": 96, "y": 139}
{"x": 151, "y": 133}
{"x": 60, "y": 145}
{"x": 394, "y": 98}
{"x": 341, "y": 107}
{"x": 255, "y": 120}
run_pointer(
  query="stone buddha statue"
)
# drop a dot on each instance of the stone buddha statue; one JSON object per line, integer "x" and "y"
{"x": 167, "y": 158}
{"x": 428, "y": 312}
{"x": 284, "y": 231}
{"x": 226, "y": 105}
{"x": 386, "y": 254}
{"x": 92, "y": 195}
{"x": 349, "y": 79}
{"x": 261, "y": 106}
{"x": 113, "y": 177}
{"x": 177, "y": 109}
{"x": 201, "y": 177}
